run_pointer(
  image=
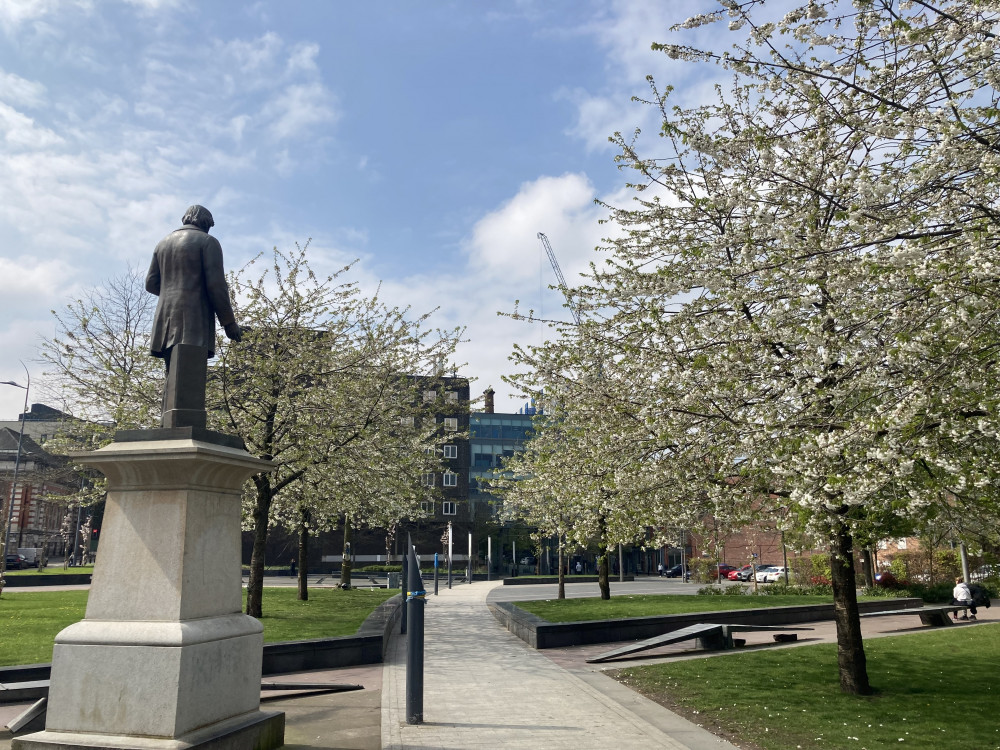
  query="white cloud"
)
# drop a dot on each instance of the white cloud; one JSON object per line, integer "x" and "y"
{"x": 16, "y": 13}
{"x": 626, "y": 33}
{"x": 26, "y": 280}
{"x": 153, "y": 6}
{"x": 504, "y": 244}
{"x": 599, "y": 117}
{"x": 505, "y": 263}
{"x": 253, "y": 55}
{"x": 21, "y": 92}
{"x": 20, "y": 131}
{"x": 303, "y": 58}
{"x": 298, "y": 108}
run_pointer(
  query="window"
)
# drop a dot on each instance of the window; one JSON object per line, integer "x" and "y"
{"x": 451, "y": 395}
{"x": 406, "y": 421}
{"x": 449, "y": 508}
{"x": 427, "y": 507}
{"x": 427, "y": 479}
{"x": 901, "y": 543}
{"x": 451, "y": 451}
{"x": 451, "y": 424}
{"x": 430, "y": 396}
{"x": 450, "y": 479}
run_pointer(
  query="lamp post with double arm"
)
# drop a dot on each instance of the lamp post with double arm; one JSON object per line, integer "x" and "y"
{"x": 8, "y": 517}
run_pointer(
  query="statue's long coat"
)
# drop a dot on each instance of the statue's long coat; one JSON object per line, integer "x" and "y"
{"x": 187, "y": 275}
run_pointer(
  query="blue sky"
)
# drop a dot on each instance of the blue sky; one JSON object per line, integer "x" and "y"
{"x": 429, "y": 140}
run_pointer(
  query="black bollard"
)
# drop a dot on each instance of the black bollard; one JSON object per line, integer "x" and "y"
{"x": 403, "y": 584}
{"x": 415, "y": 601}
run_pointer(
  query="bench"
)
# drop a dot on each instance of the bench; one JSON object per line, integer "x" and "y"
{"x": 933, "y": 616}
{"x": 711, "y": 636}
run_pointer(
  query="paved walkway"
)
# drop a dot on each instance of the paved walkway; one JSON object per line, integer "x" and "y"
{"x": 485, "y": 688}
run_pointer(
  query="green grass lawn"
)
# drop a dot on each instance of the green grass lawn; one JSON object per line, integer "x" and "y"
{"x": 936, "y": 689}
{"x": 29, "y": 621}
{"x": 645, "y": 605}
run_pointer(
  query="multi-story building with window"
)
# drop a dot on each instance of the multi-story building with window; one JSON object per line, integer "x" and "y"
{"x": 446, "y": 401}
{"x": 492, "y": 438}
{"x": 35, "y": 517}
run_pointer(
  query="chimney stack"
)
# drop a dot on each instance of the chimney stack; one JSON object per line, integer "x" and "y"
{"x": 488, "y": 408}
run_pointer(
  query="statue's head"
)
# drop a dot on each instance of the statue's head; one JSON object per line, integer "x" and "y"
{"x": 199, "y": 216}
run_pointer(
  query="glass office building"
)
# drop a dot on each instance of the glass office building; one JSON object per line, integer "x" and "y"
{"x": 491, "y": 438}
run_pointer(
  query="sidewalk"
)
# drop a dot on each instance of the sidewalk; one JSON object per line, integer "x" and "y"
{"x": 485, "y": 688}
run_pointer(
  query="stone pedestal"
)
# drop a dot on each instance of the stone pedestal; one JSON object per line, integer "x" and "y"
{"x": 164, "y": 658}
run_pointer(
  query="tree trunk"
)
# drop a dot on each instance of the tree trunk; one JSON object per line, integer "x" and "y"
{"x": 603, "y": 580}
{"x": 603, "y": 559}
{"x": 867, "y": 569}
{"x": 850, "y": 645}
{"x": 345, "y": 566}
{"x": 562, "y": 570}
{"x": 262, "y": 508}
{"x": 303, "y": 554}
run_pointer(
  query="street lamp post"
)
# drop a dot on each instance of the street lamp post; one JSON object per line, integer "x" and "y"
{"x": 17, "y": 465}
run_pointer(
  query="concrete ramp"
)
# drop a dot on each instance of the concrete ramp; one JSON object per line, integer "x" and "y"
{"x": 711, "y": 636}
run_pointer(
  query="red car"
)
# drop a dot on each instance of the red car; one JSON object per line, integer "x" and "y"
{"x": 721, "y": 571}
{"x": 740, "y": 574}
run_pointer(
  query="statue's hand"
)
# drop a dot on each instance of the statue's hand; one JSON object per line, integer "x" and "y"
{"x": 233, "y": 331}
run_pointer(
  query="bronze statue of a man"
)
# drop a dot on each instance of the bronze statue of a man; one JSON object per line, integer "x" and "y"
{"x": 187, "y": 275}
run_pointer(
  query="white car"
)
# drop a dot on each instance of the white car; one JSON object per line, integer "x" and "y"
{"x": 777, "y": 574}
{"x": 763, "y": 572}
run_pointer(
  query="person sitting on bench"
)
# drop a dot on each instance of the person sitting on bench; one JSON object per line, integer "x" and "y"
{"x": 963, "y": 596}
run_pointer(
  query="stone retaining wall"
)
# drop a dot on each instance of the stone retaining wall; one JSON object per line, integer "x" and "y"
{"x": 367, "y": 646}
{"x": 539, "y": 633}
{"x": 41, "y": 579}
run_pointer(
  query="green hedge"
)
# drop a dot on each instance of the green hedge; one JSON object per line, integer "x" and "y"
{"x": 772, "y": 589}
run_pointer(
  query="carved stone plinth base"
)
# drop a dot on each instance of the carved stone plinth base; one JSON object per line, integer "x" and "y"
{"x": 164, "y": 658}
{"x": 260, "y": 730}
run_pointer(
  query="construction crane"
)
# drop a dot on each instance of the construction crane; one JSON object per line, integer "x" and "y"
{"x": 559, "y": 276}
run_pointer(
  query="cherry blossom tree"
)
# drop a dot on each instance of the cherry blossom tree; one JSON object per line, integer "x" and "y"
{"x": 97, "y": 361}
{"x": 318, "y": 385}
{"x": 801, "y": 302}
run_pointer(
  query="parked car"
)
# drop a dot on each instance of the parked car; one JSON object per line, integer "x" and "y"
{"x": 776, "y": 574}
{"x": 676, "y": 571}
{"x": 16, "y": 562}
{"x": 529, "y": 560}
{"x": 763, "y": 572}
{"x": 721, "y": 570}
{"x": 746, "y": 572}
{"x": 32, "y": 556}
